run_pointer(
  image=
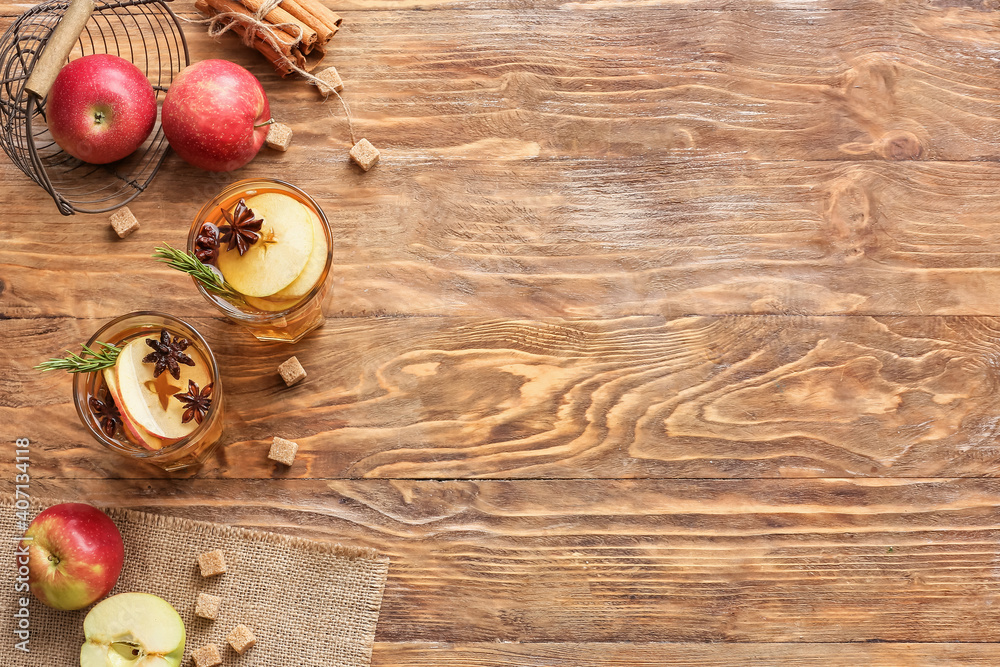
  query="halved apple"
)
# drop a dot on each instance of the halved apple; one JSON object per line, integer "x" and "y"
{"x": 281, "y": 253}
{"x": 148, "y": 401}
{"x": 133, "y": 630}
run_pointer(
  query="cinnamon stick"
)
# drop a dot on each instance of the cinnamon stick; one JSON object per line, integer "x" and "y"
{"x": 280, "y": 16}
{"x": 278, "y": 60}
{"x": 323, "y": 31}
{"x": 309, "y": 60}
{"x": 285, "y": 40}
{"x": 320, "y": 11}
{"x": 60, "y": 44}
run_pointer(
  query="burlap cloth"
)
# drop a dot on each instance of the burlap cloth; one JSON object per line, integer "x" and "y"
{"x": 309, "y": 603}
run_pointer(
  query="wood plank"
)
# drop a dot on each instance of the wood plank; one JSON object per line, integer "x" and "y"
{"x": 635, "y": 397}
{"x": 508, "y": 189}
{"x": 893, "y": 83}
{"x": 493, "y": 654}
{"x": 562, "y": 184}
{"x": 572, "y": 239}
{"x": 637, "y": 561}
{"x": 901, "y": 83}
{"x": 13, "y": 8}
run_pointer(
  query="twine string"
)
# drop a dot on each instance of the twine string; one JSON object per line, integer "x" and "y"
{"x": 223, "y": 22}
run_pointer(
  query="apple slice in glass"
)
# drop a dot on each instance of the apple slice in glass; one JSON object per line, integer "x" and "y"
{"x": 135, "y": 432}
{"x": 270, "y": 305}
{"x": 281, "y": 252}
{"x": 133, "y": 630}
{"x": 304, "y": 282}
{"x": 112, "y": 385}
{"x": 148, "y": 401}
{"x": 313, "y": 269}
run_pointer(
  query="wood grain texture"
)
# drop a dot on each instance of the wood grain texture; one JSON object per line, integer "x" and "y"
{"x": 906, "y": 82}
{"x": 711, "y": 164}
{"x": 494, "y": 654}
{"x": 665, "y": 332}
{"x": 532, "y": 239}
{"x": 14, "y": 8}
{"x": 638, "y": 561}
{"x": 637, "y": 397}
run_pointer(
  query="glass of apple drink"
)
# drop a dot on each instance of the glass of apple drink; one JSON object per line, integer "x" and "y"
{"x": 271, "y": 244}
{"x": 161, "y": 401}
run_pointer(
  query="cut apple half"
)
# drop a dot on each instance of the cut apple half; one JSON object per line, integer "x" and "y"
{"x": 133, "y": 630}
{"x": 147, "y": 401}
{"x": 281, "y": 252}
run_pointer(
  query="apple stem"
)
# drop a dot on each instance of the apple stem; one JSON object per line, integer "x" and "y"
{"x": 270, "y": 121}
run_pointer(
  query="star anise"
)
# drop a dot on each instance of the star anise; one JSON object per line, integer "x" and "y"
{"x": 167, "y": 354}
{"x": 242, "y": 230}
{"x": 206, "y": 244}
{"x": 197, "y": 403}
{"x": 106, "y": 413}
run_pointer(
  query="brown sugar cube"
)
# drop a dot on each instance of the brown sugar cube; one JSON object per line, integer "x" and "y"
{"x": 283, "y": 451}
{"x": 123, "y": 222}
{"x": 365, "y": 155}
{"x": 241, "y": 639}
{"x": 292, "y": 371}
{"x": 331, "y": 79}
{"x": 207, "y": 656}
{"x": 279, "y": 137}
{"x": 207, "y": 606}
{"x": 212, "y": 563}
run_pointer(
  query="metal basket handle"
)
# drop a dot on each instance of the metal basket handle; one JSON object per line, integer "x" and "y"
{"x": 59, "y": 46}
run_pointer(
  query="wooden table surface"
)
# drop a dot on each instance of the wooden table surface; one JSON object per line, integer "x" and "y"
{"x": 665, "y": 333}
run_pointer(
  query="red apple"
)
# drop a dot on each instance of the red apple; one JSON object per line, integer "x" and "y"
{"x": 215, "y": 115}
{"x": 101, "y": 108}
{"x": 75, "y": 555}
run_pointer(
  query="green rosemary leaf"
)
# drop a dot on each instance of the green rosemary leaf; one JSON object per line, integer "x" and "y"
{"x": 88, "y": 361}
{"x": 187, "y": 263}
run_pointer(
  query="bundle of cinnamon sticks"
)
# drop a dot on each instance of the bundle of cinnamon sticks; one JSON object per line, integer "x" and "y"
{"x": 282, "y": 46}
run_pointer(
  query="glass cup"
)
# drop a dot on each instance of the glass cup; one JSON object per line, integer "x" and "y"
{"x": 140, "y": 437}
{"x": 287, "y": 314}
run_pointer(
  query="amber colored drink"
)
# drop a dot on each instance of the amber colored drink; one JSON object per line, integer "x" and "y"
{"x": 270, "y": 307}
{"x": 96, "y": 399}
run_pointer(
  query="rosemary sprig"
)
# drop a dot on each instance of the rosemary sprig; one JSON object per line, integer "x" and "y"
{"x": 80, "y": 363}
{"x": 186, "y": 262}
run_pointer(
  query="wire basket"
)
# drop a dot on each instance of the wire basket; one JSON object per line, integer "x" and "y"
{"x": 147, "y": 33}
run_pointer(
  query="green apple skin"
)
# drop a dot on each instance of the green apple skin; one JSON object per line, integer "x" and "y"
{"x": 133, "y": 630}
{"x": 75, "y": 555}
